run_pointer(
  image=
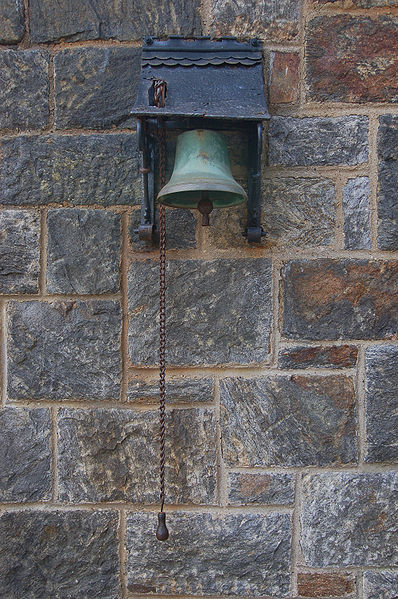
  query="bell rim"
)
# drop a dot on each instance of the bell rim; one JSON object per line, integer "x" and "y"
{"x": 210, "y": 185}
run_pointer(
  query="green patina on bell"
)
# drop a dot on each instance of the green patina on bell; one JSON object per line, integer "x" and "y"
{"x": 202, "y": 175}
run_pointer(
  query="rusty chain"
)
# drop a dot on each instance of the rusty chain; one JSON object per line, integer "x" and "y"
{"x": 162, "y": 532}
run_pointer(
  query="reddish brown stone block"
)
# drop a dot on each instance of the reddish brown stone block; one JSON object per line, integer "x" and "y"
{"x": 324, "y": 585}
{"x": 284, "y": 77}
{"x": 347, "y": 4}
{"x": 340, "y": 299}
{"x": 352, "y": 59}
{"x": 303, "y": 356}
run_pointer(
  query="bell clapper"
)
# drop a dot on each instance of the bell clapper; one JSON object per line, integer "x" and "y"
{"x": 205, "y": 207}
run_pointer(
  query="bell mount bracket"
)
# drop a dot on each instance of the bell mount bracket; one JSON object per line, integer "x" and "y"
{"x": 207, "y": 84}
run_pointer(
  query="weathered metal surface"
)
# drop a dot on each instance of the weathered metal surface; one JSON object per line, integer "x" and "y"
{"x": 202, "y": 76}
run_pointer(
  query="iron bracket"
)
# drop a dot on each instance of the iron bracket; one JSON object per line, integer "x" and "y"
{"x": 254, "y": 231}
{"x": 147, "y": 227}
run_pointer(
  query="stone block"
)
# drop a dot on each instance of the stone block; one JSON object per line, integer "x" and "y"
{"x": 12, "y": 26}
{"x": 367, "y": 45}
{"x": 318, "y": 356}
{"x": 95, "y": 87}
{"x": 340, "y": 299}
{"x": 350, "y": 519}
{"x": 59, "y": 554}
{"x": 299, "y": 212}
{"x": 113, "y": 455}
{"x": 180, "y": 231}
{"x": 288, "y": 421}
{"x": 388, "y": 182}
{"x": 65, "y": 349}
{"x": 380, "y": 585}
{"x": 83, "y": 251}
{"x": 19, "y": 251}
{"x": 218, "y": 311}
{"x": 209, "y": 554}
{"x": 72, "y": 20}
{"x": 277, "y": 22}
{"x": 24, "y": 89}
{"x": 318, "y": 141}
{"x": 356, "y": 211}
{"x": 226, "y": 228}
{"x": 381, "y": 363}
{"x": 73, "y": 169}
{"x": 25, "y": 454}
{"x": 178, "y": 390}
{"x": 324, "y": 584}
{"x": 257, "y": 488}
{"x": 284, "y": 82}
{"x": 348, "y": 4}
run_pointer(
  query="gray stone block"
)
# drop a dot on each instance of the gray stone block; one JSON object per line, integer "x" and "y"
{"x": 288, "y": 421}
{"x": 356, "y": 212}
{"x": 318, "y": 141}
{"x": 73, "y": 20}
{"x": 380, "y": 585}
{"x": 382, "y": 403}
{"x": 24, "y": 89}
{"x": 19, "y": 251}
{"x": 180, "y": 231}
{"x": 113, "y": 455}
{"x": 272, "y": 21}
{"x": 340, "y": 299}
{"x": 258, "y": 488}
{"x": 83, "y": 251}
{"x": 208, "y": 554}
{"x": 95, "y": 87}
{"x": 25, "y": 454}
{"x": 65, "y": 349}
{"x": 226, "y": 228}
{"x": 12, "y": 26}
{"x": 59, "y": 554}
{"x": 388, "y": 182}
{"x": 74, "y": 169}
{"x": 181, "y": 390}
{"x": 218, "y": 311}
{"x": 299, "y": 212}
{"x": 350, "y": 519}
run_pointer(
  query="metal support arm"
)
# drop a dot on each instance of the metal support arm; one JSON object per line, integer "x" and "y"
{"x": 254, "y": 231}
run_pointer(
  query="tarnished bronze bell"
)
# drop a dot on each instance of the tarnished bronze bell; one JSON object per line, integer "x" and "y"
{"x": 202, "y": 175}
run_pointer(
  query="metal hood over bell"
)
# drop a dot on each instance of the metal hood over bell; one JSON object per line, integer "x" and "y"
{"x": 201, "y": 169}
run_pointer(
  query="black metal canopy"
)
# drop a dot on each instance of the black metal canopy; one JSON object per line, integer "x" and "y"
{"x": 220, "y": 79}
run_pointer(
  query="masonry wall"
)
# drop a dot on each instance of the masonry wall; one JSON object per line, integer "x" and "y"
{"x": 283, "y": 358}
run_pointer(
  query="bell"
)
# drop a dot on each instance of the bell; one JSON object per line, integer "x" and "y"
{"x": 202, "y": 175}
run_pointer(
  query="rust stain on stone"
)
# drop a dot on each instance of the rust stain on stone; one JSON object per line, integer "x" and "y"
{"x": 339, "y": 389}
{"x": 253, "y": 485}
{"x": 318, "y": 287}
{"x": 284, "y": 78}
{"x": 324, "y": 585}
{"x": 64, "y": 307}
{"x": 48, "y": 532}
{"x": 141, "y": 588}
{"x": 338, "y": 355}
{"x": 344, "y": 355}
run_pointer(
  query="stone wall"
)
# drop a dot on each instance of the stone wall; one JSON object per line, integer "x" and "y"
{"x": 283, "y": 359}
